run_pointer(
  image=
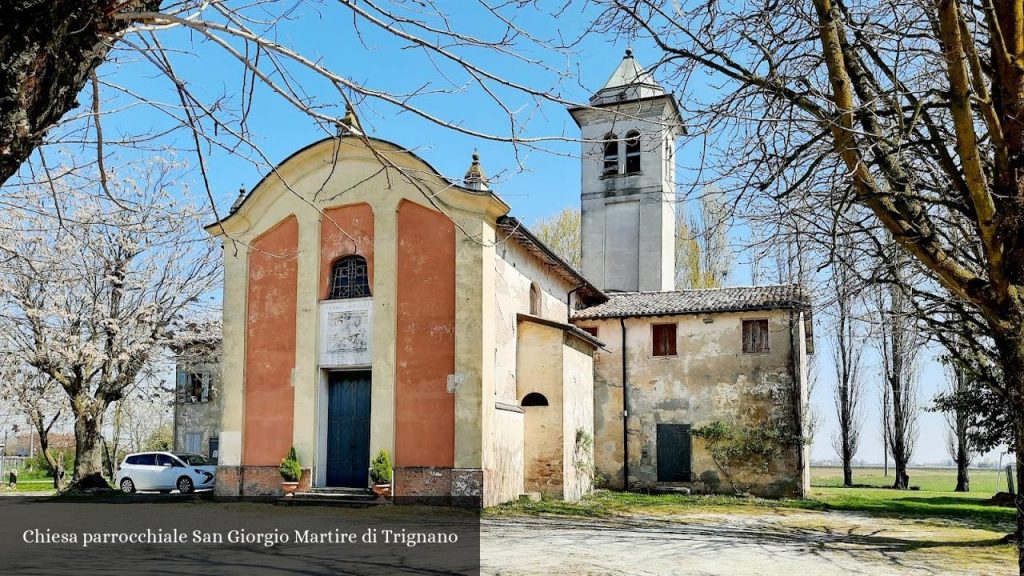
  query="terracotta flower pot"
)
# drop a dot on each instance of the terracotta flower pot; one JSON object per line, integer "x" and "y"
{"x": 382, "y": 490}
{"x": 289, "y": 488}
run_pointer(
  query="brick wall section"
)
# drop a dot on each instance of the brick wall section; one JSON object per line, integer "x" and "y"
{"x": 261, "y": 481}
{"x": 228, "y": 481}
{"x": 423, "y": 482}
{"x": 433, "y": 485}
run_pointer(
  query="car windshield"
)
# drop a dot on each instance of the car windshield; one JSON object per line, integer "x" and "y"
{"x": 194, "y": 459}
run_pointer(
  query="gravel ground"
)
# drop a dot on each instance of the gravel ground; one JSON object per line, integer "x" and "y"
{"x": 800, "y": 544}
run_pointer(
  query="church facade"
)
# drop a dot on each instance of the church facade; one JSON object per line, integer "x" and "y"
{"x": 371, "y": 304}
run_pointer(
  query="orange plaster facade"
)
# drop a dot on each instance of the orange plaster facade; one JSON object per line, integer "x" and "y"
{"x": 425, "y": 342}
{"x": 345, "y": 230}
{"x": 270, "y": 344}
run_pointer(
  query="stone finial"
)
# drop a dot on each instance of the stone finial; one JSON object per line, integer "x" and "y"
{"x": 349, "y": 124}
{"x": 238, "y": 201}
{"x": 475, "y": 178}
{"x": 629, "y": 53}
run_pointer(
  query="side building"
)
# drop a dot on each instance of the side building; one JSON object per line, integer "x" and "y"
{"x": 197, "y": 394}
{"x": 699, "y": 365}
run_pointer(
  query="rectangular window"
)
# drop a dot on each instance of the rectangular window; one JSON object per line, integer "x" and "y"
{"x": 755, "y": 336}
{"x": 193, "y": 442}
{"x": 592, "y": 330}
{"x": 664, "y": 336}
{"x": 194, "y": 387}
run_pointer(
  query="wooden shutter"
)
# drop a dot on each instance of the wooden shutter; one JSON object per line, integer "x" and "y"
{"x": 755, "y": 336}
{"x": 664, "y": 336}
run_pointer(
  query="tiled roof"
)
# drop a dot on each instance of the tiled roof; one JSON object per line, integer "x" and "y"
{"x": 734, "y": 299}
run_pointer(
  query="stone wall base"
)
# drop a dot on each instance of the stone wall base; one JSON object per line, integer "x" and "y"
{"x": 439, "y": 486}
{"x": 237, "y": 481}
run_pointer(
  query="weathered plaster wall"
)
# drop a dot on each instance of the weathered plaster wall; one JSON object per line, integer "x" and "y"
{"x": 201, "y": 418}
{"x": 515, "y": 271}
{"x": 503, "y": 478}
{"x": 424, "y": 408}
{"x": 541, "y": 371}
{"x": 270, "y": 352}
{"x": 710, "y": 379}
{"x": 345, "y": 230}
{"x": 577, "y": 418}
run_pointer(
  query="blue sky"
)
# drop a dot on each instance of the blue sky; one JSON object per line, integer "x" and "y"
{"x": 536, "y": 183}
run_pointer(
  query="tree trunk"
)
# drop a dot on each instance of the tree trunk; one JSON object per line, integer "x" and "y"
{"x": 1011, "y": 359}
{"x": 88, "y": 450}
{"x": 44, "y": 442}
{"x": 847, "y": 460}
{"x": 902, "y": 479}
{"x": 48, "y": 49}
{"x": 963, "y": 479}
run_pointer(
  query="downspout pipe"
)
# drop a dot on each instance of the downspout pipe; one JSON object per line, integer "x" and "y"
{"x": 625, "y": 409}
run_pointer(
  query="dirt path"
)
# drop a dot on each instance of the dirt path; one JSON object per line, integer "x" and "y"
{"x": 794, "y": 544}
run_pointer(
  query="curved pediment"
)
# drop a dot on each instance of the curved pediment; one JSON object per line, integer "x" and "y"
{"x": 341, "y": 170}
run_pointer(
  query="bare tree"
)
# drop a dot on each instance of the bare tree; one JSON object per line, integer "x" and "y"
{"x": 958, "y": 419}
{"x": 39, "y": 399}
{"x": 703, "y": 253}
{"x": 847, "y": 350}
{"x": 90, "y": 296}
{"x": 899, "y": 342}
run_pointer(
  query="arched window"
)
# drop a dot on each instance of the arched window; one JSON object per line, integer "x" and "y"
{"x": 611, "y": 155}
{"x": 534, "y": 299}
{"x": 349, "y": 278}
{"x": 632, "y": 152}
{"x": 534, "y": 399}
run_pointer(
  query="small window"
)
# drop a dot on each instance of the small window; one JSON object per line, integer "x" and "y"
{"x": 193, "y": 441}
{"x": 664, "y": 339}
{"x": 534, "y": 299}
{"x": 194, "y": 387}
{"x": 131, "y": 460}
{"x": 534, "y": 399}
{"x": 755, "y": 336}
{"x": 349, "y": 278}
{"x": 633, "y": 152}
{"x": 592, "y": 330}
{"x": 611, "y": 155}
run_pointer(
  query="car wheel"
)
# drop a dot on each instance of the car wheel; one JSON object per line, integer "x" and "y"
{"x": 127, "y": 486}
{"x": 185, "y": 485}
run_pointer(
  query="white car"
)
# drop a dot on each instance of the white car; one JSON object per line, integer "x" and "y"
{"x": 165, "y": 471}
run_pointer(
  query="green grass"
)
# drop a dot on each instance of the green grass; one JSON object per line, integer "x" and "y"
{"x": 933, "y": 503}
{"x": 983, "y": 482}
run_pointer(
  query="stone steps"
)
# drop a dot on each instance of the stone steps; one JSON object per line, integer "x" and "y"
{"x": 341, "y": 497}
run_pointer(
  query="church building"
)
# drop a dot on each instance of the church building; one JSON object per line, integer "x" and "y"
{"x": 371, "y": 304}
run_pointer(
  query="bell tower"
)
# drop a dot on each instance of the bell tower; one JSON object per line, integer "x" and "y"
{"x": 628, "y": 192}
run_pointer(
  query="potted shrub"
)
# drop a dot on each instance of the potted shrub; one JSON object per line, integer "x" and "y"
{"x": 290, "y": 473}
{"x": 380, "y": 474}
